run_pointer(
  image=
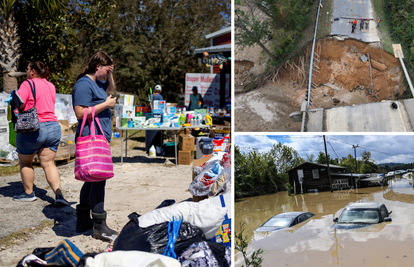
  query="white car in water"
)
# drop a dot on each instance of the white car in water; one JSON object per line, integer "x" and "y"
{"x": 390, "y": 173}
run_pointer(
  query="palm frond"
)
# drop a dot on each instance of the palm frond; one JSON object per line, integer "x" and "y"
{"x": 49, "y": 6}
{"x": 6, "y": 6}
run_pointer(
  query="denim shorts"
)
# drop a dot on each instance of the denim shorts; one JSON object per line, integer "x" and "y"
{"x": 48, "y": 136}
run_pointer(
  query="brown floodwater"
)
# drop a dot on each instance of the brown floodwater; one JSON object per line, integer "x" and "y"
{"x": 315, "y": 243}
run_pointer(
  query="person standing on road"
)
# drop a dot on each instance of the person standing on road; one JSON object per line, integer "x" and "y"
{"x": 90, "y": 90}
{"x": 43, "y": 143}
{"x": 353, "y": 27}
{"x": 361, "y": 25}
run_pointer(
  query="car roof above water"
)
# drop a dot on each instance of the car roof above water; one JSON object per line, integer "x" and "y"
{"x": 371, "y": 205}
{"x": 291, "y": 214}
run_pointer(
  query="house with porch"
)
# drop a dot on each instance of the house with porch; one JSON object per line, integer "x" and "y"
{"x": 313, "y": 177}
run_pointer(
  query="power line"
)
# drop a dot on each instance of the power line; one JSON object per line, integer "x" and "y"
{"x": 333, "y": 149}
{"x": 369, "y": 149}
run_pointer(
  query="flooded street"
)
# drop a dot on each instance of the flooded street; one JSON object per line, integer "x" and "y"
{"x": 314, "y": 241}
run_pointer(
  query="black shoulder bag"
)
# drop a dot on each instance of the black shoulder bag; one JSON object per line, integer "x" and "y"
{"x": 28, "y": 121}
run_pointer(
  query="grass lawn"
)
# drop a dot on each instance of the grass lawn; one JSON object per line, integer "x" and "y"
{"x": 384, "y": 27}
{"x": 9, "y": 170}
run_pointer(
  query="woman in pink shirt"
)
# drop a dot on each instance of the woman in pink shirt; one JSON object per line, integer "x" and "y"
{"x": 43, "y": 143}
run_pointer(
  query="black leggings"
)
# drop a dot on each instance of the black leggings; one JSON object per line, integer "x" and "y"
{"x": 93, "y": 196}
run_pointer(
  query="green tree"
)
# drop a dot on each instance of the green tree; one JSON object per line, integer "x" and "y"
{"x": 310, "y": 158}
{"x": 153, "y": 42}
{"x": 283, "y": 21}
{"x": 10, "y": 52}
{"x": 259, "y": 173}
{"x": 349, "y": 163}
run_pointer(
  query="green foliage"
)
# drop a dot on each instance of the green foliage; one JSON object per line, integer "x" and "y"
{"x": 241, "y": 244}
{"x": 260, "y": 173}
{"x": 283, "y": 21}
{"x": 47, "y": 38}
{"x": 401, "y": 17}
{"x": 322, "y": 159}
{"x": 151, "y": 42}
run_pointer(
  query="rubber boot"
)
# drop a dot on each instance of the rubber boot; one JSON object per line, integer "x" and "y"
{"x": 83, "y": 219}
{"x": 100, "y": 229}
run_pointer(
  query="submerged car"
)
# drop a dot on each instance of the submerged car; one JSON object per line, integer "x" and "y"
{"x": 284, "y": 220}
{"x": 380, "y": 175}
{"x": 358, "y": 215}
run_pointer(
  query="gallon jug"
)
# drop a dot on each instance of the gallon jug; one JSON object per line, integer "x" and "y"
{"x": 152, "y": 152}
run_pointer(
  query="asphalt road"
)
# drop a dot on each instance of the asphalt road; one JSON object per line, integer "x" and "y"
{"x": 347, "y": 11}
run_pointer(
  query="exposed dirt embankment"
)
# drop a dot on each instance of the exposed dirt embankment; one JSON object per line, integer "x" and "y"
{"x": 342, "y": 65}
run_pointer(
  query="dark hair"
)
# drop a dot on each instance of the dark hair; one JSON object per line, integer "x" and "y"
{"x": 42, "y": 70}
{"x": 99, "y": 58}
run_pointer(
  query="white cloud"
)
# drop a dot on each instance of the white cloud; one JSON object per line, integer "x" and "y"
{"x": 395, "y": 148}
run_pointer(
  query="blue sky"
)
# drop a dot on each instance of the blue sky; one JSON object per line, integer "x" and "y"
{"x": 383, "y": 148}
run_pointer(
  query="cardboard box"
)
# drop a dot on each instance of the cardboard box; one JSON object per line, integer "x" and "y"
{"x": 122, "y": 111}
{"x": 185, "y": 131}
{"x": 66, "y": 128}
{"x": 186, "y": 142}
{"x": 63, "y": 151}
{"x": 162, "y": 104}
{"x": 171, "y": 110}
{"x": 4, "y": 134}
{"x": 3, "y": 111}
{"x": 185, "y": 157}
{"x": 126, "y": 100}
{"x": 3, "y": 120}
{"x": 3, "y": 97}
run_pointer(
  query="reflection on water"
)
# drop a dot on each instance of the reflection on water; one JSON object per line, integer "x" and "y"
{"x": 316, "y": 242}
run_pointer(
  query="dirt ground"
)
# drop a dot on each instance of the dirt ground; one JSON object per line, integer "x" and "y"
{"x": 140, "y": 185}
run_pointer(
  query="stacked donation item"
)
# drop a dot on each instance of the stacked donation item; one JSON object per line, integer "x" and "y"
{"x": 160, "y": 115}
{"x": 65, "y": 115}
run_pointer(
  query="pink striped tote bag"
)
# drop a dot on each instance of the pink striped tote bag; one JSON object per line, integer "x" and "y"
{"x": 93, "y": 160}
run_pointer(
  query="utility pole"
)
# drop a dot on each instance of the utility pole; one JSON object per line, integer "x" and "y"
{"x": 327, "y": 163}
{"x": 356, "y": 162}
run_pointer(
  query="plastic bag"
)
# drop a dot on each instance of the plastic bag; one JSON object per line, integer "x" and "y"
{"x": 221, "y": 187}
{"x": 173, "y": 230}
{"x": 203, "y": 181}
{"x": 154, "y": 239}
{"x": 204, "y": 214}
{"x": 206, "y": 254}
{"x": 130, "y": 259}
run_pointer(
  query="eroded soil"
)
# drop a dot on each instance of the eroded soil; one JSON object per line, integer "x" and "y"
{"x": 344, "y": 78}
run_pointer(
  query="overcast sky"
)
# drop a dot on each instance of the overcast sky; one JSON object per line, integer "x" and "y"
{"x": 395, "y": 148}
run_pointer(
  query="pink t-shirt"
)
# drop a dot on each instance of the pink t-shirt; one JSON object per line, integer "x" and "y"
{"x": 45, "y": 98}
